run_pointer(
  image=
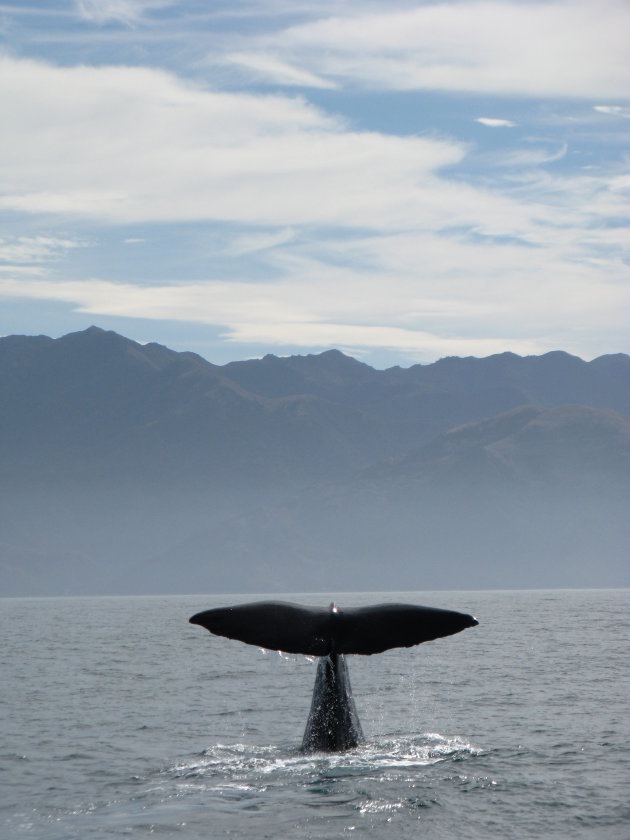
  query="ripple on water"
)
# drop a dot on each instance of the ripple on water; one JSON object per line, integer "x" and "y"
{"x": 247, "y": 767}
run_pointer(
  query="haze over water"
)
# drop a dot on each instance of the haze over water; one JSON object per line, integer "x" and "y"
{"x": 119, "y": 717}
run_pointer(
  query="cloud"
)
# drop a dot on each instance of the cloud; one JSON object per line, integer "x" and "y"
{"x": 331, "y": 236}
{"x": 571, "y": 49}
{"x": 279, "y": 72}
{"x": 493, "y": 122}
{"x": 614, "y": 110}
{"x": 129, "y": 144}
{"x": 129, "y": 12}
{"x": 272, "y": 314}
{"x": 532, "y": 157}
{"x": 122, "y": 145}
{"x": 25, "y": 250}
{"x": 423, "y": 295}
{"x": 252, "y": 242}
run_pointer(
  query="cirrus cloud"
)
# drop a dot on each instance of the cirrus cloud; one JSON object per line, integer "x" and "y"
{"x": 129, "y": 144}
{"x": 293, "y": 224}
{"x": 129, "y": 12}
{"x": 554, "y": 48}
{"x": 494, "y": 122}
{"x": 614, "y": 110}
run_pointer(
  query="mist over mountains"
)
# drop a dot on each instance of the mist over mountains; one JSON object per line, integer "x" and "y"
{"x": 129, "y": 468}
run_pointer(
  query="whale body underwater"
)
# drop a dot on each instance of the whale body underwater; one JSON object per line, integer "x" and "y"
{"x": 333, "y": 723}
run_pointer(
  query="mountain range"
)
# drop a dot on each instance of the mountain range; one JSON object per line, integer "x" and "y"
{"x": 130, "y": 468}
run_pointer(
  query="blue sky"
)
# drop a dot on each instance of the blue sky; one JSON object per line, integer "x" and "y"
{"x": 403, "y": 181}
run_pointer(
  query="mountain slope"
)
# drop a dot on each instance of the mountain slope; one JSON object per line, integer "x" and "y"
{"x": 94, "y": 405}
{"x": 531, "y": 498}
{"x": 414, "y": 405}
{"x": 128, "y": 467}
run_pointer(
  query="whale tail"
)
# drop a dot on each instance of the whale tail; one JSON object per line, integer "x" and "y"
{"x": 317, "y": 631}
{"x": 333, "y": 722}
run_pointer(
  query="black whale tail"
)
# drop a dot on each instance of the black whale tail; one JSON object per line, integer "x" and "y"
{"x": 333, "y": 722}
{"x": 316, "y": 631}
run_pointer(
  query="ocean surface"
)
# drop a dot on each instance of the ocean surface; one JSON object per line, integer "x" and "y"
{"x": 119, "y": 718}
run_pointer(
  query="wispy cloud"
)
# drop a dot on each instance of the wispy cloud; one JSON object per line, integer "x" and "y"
{"x": 422, "y": 294}
{"x": 128, "y": 144}
{"x": 566, "y": 49}
{"x": 305, "y": 228}
{"x": 128, "y": 12}
{"x": 273, "y": 69}
{"x": 494, "y": 122}
{"x": 622, "y": 111}
{"x": 254, "y": 242}
{"x": 24, "y": 250}
{"x": 120, "y": 144}
{"x": 535, "y": 156}
{"x": 352, "y": 309}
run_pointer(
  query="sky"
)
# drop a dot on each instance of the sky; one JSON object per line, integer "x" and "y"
{"x": 403, "y": 181}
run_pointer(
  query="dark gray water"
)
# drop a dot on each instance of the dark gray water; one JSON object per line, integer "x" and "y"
{"x": 118, "y": 718}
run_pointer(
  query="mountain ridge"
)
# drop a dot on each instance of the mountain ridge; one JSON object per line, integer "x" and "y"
{"x": 129, "y": 466}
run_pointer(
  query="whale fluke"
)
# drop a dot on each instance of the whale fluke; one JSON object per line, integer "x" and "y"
{"x": 333, "y": 722}
{"x": 317, "y": 631}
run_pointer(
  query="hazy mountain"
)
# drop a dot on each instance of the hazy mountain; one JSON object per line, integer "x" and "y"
{"x": 534, "y": 497}
{"x": 417, "y": 403}
{"x": 130, "y": 467}
{"x": 94, "y": 405}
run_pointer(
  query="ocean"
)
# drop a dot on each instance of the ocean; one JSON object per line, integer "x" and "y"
{"x": 119, "y": 718}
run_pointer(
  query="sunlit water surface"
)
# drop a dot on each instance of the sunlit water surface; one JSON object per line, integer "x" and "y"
{"x": 119, "y": 718}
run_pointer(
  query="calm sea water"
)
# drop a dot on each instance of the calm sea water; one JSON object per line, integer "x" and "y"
{"x": 119, "y": 718}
